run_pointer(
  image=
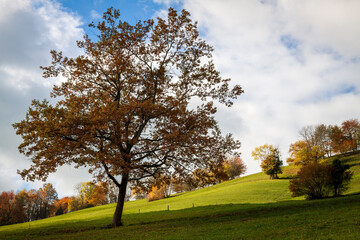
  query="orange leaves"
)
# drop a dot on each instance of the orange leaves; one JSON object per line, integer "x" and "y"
{"x": 27, "y": 205}
{"x": 62, "y": 205}
{"x": 156, "y": 193}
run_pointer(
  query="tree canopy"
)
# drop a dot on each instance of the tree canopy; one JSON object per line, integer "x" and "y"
{"x": 124, "y": 111}
{"x": 270, "y": 159}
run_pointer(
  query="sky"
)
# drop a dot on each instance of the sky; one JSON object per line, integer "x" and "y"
{"x": 298, "y": 62}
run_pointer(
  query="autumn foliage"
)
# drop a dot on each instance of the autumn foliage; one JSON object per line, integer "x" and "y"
{"x": 316, "y": 181}
{"x": 270, "y": 159}
{"x": 27, "y": 205}
{"x": 301, "y": 153}
{"x": 319, "y": 141}
{"x": 156, "y": 193}
{"x": 234, "y": 167}
{"x": 62, "y": 205}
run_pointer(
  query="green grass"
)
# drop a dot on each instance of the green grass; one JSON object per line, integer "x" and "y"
{"x": 251, "y": 207}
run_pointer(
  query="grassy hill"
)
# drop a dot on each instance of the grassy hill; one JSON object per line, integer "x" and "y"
{"x": 251, "y": 207}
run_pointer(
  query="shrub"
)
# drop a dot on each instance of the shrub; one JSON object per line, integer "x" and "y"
{"x": 311, "y": 181}
{"x": 340, "y": 177}
{"x": 316, "y": 181}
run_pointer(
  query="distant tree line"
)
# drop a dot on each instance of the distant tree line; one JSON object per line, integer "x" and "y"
{"x": 27, "y": 206}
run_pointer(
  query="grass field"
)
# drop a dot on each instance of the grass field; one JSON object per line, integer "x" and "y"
{"x": 251, "y": 207}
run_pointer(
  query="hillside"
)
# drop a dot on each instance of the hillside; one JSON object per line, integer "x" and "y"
{"x": 251, "y": 207}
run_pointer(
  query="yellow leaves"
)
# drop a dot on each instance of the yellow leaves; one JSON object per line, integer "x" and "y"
{"x": 260, "y": 153}
{"x": 301, "y": 153}
{"x": 156, "y": 193}
{"x": 270, "y": 159}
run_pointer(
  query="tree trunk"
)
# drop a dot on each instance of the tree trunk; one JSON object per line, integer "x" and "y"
{"x": 116, "y": 222}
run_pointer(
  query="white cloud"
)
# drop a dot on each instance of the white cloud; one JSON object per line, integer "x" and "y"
{"x": 95, "y": 15}
{"x": 298, "y": 62}
{"x": 167, "y": 2}
{"x": 29, "y": 30}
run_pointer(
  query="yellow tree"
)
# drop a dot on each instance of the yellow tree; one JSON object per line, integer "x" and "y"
{"x": 270, "y": 159}
{"x": 124, "y": 111}
{"x": 301, "y": 153}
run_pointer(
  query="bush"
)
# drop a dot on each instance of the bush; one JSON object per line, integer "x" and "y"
{"x": 312, "y": 181}
{"x": 316, "y": 181}
{"x": 156, "y": 193}
{"x": 340, "y": 177}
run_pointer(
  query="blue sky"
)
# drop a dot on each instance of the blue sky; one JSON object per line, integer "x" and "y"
{"x": 132, "y": 11}
{"x": 298, "y": 62}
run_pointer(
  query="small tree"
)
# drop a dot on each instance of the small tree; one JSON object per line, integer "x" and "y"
{"x": 270, "y": 159}
{"x": 340, "y": 177}
{"x": 337, "y": 140}
{"x": 351, "y": 133}
{"x": 205, "y": 177}
{"x": 62, "y": 205}
{"x": 19, "y": 213}
{"x": 75, "y": 203}
{"x": 234, "y": 167}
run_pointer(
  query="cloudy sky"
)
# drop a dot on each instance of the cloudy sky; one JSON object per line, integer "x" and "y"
{"x": 298, "y": 62}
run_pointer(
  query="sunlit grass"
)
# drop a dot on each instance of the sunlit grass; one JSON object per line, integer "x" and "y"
{"x": 245, "y": 208}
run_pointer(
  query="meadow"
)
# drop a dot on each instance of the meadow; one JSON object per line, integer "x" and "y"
{"x": 251, "y": 207}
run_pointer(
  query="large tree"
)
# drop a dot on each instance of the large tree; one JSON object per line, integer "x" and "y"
{"x": 138, "y": 103}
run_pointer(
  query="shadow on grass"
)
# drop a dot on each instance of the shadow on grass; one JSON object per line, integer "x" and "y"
{"x": 350, "y": 158}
